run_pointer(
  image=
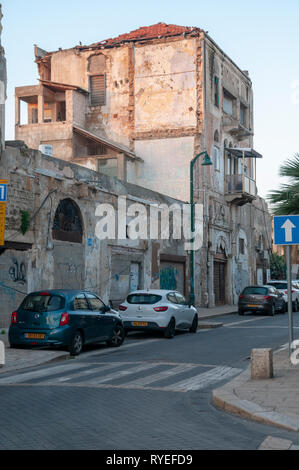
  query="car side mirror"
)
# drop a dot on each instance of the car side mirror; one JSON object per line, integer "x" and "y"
{"x": 107, "y": 308}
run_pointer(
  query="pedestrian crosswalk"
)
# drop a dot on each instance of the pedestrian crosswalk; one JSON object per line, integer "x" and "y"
{"x": 162, "y": 376}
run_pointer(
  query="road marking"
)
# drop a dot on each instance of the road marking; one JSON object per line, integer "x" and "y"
{"x": 119, "y": 374}
{"x": 84, "y": 373}
{"x": 160, "y": 375}
{"x": 18, "y": 378}
{"x": 244, "y": 321}
{"x": 275, "y": 443}
{"x": 203, "y": 380}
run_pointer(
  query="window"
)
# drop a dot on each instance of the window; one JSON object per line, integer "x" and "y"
{"x": 80, "y": 303}
{"x": 181, "y": 299}
{"x": 108, "y": 166}
{"x": 255, "y": 290}
{"x": 144, "y": 299}
{"x": 228, "y": 103}
{"x": 241, "y": 246}
{"x": 43, "y": 303}
{"x": 216, "y": 91}
{"x": 95, "y": 303}
{"x": 97, "y": 88}
{"x": 34, "y": 115}
{"x": 216, "y": 158}
{"x": 172, "y": 298}
{"x": 243, "y": 115}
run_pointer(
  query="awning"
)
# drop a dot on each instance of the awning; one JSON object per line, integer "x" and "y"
{"x": 54, "y": 86}
{"x": 248, "y": 152}
{"x": 109, "y": 143}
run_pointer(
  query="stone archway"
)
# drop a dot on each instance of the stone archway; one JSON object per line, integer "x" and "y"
{"x": 68, "y": 253}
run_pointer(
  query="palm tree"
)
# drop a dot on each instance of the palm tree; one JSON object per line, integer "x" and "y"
{"x": 285, "y": 201}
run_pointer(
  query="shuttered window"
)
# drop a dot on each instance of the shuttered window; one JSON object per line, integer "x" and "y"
{"x": 97, "y": 90}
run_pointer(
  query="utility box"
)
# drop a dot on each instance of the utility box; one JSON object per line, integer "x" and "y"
{"x": 261, "y": 364}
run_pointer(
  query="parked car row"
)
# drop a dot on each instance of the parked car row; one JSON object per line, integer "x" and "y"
{"x": 270, "y": 298}
{"x": 70, "y": 319}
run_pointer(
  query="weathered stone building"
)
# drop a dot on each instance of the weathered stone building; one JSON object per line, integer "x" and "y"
{"x": 140, "y": 107}
{"x": 58, "y": 247}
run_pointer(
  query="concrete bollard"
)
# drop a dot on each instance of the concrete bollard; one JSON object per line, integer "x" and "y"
{"x": 261, "y": 364}
{"x": 2, "y": 354}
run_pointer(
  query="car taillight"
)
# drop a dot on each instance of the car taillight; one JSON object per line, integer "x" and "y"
{"x": 122, "y": 308}
{"x": 286, "y": 292}
{"x": 160, "y": 309}
{"x": 267, "y": 297}
{"x": 14, "y": 317}
{"x": 44, "y": 293}
{"x": 241, "y": 296}
{"x": 65, "y": 318}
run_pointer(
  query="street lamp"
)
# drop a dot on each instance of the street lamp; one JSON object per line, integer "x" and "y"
{"x": 206, "y": 162}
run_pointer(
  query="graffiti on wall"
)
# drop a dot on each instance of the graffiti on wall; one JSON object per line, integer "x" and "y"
{"x": 17, "y": 272}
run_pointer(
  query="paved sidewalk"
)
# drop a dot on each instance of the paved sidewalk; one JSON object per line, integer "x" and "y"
{"x": 273, "y": 401}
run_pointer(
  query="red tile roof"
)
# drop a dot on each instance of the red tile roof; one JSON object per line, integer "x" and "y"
{"x": 150, "y": 32}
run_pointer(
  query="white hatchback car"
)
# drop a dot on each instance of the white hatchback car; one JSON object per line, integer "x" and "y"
{"x": 163, "y": 310}
{"x": 282, "y": 286}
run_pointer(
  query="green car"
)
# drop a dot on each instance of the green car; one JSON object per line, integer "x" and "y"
{"x": 64, "y": 318}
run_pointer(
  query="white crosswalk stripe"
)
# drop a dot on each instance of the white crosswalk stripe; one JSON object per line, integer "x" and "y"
{"x": 160, "y": 376}
{"x": 119, "y": 374}
{"x": 203, "y": 380}
{"x": 102, "y": 377}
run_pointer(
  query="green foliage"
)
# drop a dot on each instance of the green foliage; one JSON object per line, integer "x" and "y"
{"x": 285, "y": 201}
{"x": 25, "y": 221}
{"x": 277, "y": 266}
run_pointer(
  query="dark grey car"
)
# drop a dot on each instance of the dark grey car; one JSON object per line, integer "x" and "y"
{"x": 261, "y": 299}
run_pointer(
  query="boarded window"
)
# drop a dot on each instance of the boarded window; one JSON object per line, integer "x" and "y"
{"x": 97, "y": 90}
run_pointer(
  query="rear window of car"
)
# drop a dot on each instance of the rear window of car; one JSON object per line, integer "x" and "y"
{"x": 143, "y": 299}
{"x": 279, "y": 285}
{"x": 43, "y": 303}
{"x": 255, "y": 291}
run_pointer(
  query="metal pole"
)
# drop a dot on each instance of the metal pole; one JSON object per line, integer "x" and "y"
{"x": 290, "y": 306}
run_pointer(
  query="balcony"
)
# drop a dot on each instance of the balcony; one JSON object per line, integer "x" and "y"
{"x": 240, "y": 189}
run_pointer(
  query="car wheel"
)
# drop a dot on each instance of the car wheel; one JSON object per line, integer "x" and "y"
{"x": 169, "y": 331}
{"x": 240, "y": 312}
{"x": 296, "y": 306}
{"x": 118, "y": 336}
{"x": 76, "y": 345}
{"x": 272, "y": 311}
{"x": 194, "y": 325}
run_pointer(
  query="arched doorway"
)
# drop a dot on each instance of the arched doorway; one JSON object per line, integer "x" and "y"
{"x": 68, "y": 253}
{"x": 220, "y": 273}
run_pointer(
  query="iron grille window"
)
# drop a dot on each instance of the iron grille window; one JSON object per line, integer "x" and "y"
{"x": 97, "y": 85}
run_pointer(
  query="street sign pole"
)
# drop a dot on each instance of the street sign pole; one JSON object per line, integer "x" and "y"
{"x": 290, "y": 306}
{"x": 286, "y": 233}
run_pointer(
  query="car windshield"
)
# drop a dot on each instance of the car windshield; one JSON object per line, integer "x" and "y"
{"x": 255, "y": 290}
{"x": 143, "y": 299}
{"x": 43, "y": 303}
{"x": 279, "y": 285}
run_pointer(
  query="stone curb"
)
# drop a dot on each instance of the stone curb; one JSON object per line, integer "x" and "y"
{"x": 226, "y": 399}
{"x": 213, "y": 315}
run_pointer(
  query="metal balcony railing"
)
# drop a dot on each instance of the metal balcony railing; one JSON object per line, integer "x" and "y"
{"x": 236, "y": 184}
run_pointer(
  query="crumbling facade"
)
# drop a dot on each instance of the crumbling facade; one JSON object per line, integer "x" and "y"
{"x": 140, "y": 107}
{"x": 59, "y": 246}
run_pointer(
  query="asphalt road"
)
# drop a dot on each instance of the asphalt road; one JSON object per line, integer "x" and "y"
{"x": 152, "y": 393}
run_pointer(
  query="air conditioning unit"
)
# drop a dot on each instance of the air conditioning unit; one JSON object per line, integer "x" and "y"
{"x": 46, "y": 149}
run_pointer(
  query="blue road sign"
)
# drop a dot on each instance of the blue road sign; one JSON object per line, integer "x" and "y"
{"x": 286, "y": 230}
{"x": 3, "y": 192}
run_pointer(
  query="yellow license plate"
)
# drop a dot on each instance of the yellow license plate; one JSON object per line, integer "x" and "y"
{"x": 34, "y": 336}
{"x": 252, "y": 305}
{"x": 139, "y": 323}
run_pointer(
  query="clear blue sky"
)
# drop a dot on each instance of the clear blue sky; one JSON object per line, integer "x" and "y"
{"x": 260, "y": 36}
